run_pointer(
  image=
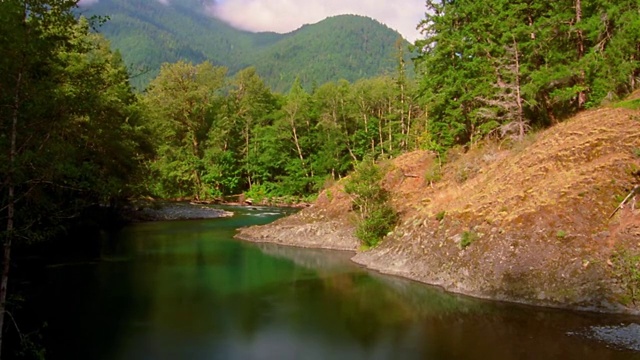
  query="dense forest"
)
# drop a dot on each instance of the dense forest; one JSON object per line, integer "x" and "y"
{"x": 521, "y": 64}
{"x": 219, "y": 136}
{"x": 149, "y": 33}
{"x": 75, "y": 136}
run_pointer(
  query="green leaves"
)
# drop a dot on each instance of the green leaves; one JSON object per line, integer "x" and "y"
{"x": 79, "y": 134}
{"x": 370, "y": 199}
{"x": 182, "y": 103}
{"x": 523, "y": 62}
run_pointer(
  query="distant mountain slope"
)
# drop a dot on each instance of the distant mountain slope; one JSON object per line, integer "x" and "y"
{"x": 341, "y": 47}
{"x": 148, "y": 33}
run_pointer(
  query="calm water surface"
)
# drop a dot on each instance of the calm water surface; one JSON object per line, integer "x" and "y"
{"x": 187, "y": 290}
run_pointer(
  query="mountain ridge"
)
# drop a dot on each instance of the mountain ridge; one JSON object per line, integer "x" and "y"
{"x": 148, "y": 33}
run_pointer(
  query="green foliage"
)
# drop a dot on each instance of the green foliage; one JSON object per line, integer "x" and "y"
{"x": 379, "y": 222}
{"x": 215, "y": 136}
{"x": 433, "y": 173}
{"x": 151, "y": 33}
{"x": 80, "y": 133}
{"x": 370, "y": 199}
{"x": 505, "y": 68}
{"x": 561, "y": 234}
{"x": 73, "y": 135}
{"x": 181, "y": 101}
{"x": 258, "y": 193}
{"x": 626, "y": 269}
{"x": 633, "y": 104}
{"x": 468, "y": 237}
{"x": 440, "y": 216}
{"x": 636, "y": 152}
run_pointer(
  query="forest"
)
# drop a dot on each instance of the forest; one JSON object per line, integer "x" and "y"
{"x": 149, "y": 33}
{"x": 75, "y": 136}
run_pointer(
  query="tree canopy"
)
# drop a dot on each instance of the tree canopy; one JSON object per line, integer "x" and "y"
{"x": 516, "y": 64}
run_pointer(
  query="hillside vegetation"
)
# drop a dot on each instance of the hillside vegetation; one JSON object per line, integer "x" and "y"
{"x": 148, "y": 33}
{"x": 528, "y": 223}
{"x": 513, "y": 215}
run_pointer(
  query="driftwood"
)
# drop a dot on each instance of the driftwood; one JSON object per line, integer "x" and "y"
{"x": 636, "y": 189}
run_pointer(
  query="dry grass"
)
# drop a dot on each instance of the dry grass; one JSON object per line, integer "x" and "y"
{"x": 585, "y": 161}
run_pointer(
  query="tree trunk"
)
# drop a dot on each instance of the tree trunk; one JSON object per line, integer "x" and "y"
{"x": 4, "y": 282}
{"x": 297, "y": 143}
{"x": 196, "y": 173}
{"x": 582, "y": 95}
{"x": 519, "y": 101}
{"x": 380, "y": 125}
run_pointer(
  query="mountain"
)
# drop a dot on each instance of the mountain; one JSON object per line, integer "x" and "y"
{"x": 148, "y": 33}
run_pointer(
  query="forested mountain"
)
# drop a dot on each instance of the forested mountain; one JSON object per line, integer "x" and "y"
{"x": 149, "y": 33}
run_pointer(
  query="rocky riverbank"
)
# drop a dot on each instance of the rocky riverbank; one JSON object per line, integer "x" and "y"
{"x": 531, "y": 223}
{"x": 159, "y": 211}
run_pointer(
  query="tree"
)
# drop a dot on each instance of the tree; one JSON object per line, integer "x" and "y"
{"x": 181, "y": 102}
{"x": 370, "y": 200}
{"x": 520, "y": 62}
{"x": 248, "y": 106}
{"x": 71, "y": 120}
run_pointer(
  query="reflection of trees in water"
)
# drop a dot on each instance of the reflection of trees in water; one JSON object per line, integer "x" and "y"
{"x": 183, "y": 286}
{"x": 349, "y": 302}
{"x": 367, "y": 305}
{"x": 315, "y": 259}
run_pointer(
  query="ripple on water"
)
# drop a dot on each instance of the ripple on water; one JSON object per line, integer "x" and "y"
{"x": 619, "y": 336}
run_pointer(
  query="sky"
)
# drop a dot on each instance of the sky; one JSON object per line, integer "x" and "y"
{"x": 287, "y": 15}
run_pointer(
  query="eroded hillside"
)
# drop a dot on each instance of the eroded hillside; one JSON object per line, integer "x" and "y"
{"x": 531, "y": 223}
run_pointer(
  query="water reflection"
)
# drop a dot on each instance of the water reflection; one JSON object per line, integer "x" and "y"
{"x": 189, "y": 291}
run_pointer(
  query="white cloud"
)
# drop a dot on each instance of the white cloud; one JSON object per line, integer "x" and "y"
{"x": 287, "y": 15}
{"x": 87, "y": 2}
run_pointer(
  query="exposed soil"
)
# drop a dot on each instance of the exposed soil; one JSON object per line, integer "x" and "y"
{"x": 536, "y": 214}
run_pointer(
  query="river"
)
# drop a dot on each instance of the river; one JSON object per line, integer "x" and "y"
{"x": 188, "y": 290}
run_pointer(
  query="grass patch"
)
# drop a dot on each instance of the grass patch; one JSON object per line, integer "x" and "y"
{"x": 440, "y": 216}
{"x": 468, "y": 237}
{"x": 626, "y": 270}
{"x": 561, "y": 234}
{"x": 629, "y": 104}
{"x": 433, "y": 173}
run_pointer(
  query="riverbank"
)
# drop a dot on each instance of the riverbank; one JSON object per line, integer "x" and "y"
{"x": 169, "y": 210}
{"x": 528, "y": 223}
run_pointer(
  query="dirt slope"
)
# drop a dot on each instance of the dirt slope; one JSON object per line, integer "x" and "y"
{"x": 536, "y": 217}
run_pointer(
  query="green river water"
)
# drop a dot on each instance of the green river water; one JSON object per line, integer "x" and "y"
{"x": 188, "y": 290}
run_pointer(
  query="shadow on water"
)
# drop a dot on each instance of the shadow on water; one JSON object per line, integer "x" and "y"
{"x": 188, "y": 290}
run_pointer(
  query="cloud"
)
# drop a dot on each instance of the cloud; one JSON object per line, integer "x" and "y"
{"x": 87, "y": 2}
{"x": 287, "y": 15}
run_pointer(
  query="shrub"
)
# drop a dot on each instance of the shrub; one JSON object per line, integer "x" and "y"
{"x": 561, "y": 234}
{"x": 377, "y": 218}
{"x": 433, "y": 174}
{"x": 258, "y": 193}
{"x": 376, "y": 225}
{"x": 468, "y": 237}
{"x": 440, "y": 216}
